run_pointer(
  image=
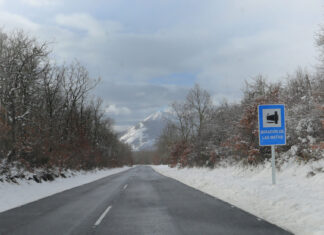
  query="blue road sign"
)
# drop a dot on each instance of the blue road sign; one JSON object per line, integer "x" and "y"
{"x": 272, "y": 129}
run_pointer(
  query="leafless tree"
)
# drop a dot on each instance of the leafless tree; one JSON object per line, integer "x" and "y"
{"x": 46, "y": 116}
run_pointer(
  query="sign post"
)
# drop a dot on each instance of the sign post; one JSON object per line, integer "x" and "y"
{"x": 272, "y": 130}
{"x": 273, "y": 164}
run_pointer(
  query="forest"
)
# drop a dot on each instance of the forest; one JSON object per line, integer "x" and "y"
{"x": 48, "y": 116}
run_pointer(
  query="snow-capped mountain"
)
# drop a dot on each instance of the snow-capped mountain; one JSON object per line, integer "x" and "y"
{"x": 144, "y": 134}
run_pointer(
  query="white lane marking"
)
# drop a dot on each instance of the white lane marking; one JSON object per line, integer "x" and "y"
{"x": 233, "y": 206}
{"x": 125, "y": 186}
{"x": 259, "y": 219}
{"x": 102, "y": 216}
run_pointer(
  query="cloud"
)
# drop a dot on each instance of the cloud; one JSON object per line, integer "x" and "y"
{"x": 137, "y": 48}
{"x": 141, "y": 99}
{"x": 245, "y": 39}
{"x": 10, "y": 21}
{"x": 121, "y": 128}
{"x": 222, "y": 50}
{"x": 81, "y": 21}
{"x": 273, "y": 53}
{"x": 42, "y": 3}
{"x": 114, "y": 110}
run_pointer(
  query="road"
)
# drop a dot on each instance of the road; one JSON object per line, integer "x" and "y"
{"x": 137, "y": 201}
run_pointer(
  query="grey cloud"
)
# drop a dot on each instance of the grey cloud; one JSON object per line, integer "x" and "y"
{"x": 140, "y": 99}
{"x": 222, "y": 43}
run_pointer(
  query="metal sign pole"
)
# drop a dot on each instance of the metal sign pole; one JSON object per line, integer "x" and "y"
{"x": 273, "y": 163}
{"x": 272, "y": 130}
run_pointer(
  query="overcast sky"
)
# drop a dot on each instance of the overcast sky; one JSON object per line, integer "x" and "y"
{"x": 150, "y": 52}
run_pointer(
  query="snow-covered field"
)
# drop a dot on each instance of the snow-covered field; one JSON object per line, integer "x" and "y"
{"x": 295, "y": 203}
{"x": 13, "y": 195}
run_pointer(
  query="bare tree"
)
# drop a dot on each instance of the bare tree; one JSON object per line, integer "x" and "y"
{"x": 46, "y": 116}
{"x": 184, "y": 121}
{"x": 200, "y": 106}
{"x": 23, "y": 61}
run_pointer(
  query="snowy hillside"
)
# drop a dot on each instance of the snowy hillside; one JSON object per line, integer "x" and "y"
{"x": 144, "y": 135}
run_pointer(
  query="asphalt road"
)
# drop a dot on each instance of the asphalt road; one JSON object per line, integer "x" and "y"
{"x": 137, "y": 201}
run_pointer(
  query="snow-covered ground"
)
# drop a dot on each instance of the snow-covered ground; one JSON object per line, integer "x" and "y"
{"x": 295, "y": 203}
{"x": 13, "y": 195}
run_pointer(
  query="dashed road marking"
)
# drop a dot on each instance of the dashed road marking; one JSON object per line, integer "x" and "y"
{"x": 102, "y": 216}
{"x": 125, "y": 186}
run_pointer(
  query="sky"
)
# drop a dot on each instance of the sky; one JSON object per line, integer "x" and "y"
{"x": 149, "y": 53}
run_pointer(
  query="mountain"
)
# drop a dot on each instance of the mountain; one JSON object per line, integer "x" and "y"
{"x": 144, "y": 134}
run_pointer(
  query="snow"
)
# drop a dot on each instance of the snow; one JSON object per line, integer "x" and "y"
{"x": 144, "y": 134}
{"x": 14, "y": 195}
{"x": 154, "y": 116}
{"x": 311, "y": 139}
{"x": 135, "y": 134}
{"x": 295, "y": 203}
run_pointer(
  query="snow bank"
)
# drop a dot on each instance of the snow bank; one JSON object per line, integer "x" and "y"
{"x": 13, "y": 195}
{"x": 296, "y": 203}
